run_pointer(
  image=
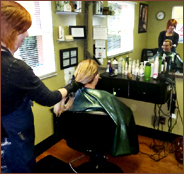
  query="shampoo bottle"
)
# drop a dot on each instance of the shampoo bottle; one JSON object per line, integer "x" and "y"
{"x": 156, "y": 64}
{"x": 115, "y": 66}
{"x": 108, "y": 63}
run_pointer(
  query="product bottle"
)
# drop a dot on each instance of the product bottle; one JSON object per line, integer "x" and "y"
{"x": 152, "y": 69}
{"x": 137, "y": 69}
{"x": 108, "y": 63}
{"x": 120, "y": 65}
{"x": 133, "y": 67}
{"x": 126, "y": 69}
{"x": 130, "y": 68}
{"x": 115, "y": 66}
{"x": 110, "y": 69}
{"x": 141, "y": 70}
{"x": 156, "y": 64}
{"x": 123, "y": 66}
{"x": 162, "y": 67}
{"x": 61, "y": 34}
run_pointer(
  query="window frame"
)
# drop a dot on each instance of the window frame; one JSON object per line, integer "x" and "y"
{"x": 125, "y": 29}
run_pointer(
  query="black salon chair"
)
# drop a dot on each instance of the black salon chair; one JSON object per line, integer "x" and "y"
{"x": 91, "y": 133}
{"x": 147, "y": 53}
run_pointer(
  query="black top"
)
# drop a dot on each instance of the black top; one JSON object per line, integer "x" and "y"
{"x": 18, "y": 81}
{"x": 162, "y": 37}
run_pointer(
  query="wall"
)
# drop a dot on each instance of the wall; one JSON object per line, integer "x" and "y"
{"x": 142, "y": 111}
{"x": 42, "y": 116}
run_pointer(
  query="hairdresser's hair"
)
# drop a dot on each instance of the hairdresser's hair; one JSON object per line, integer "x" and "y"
{"x": 171, "y": 22}
{"x": 84, "y": 73}
{"x": 168, "y": 40}
{"x": 15, "y": 20}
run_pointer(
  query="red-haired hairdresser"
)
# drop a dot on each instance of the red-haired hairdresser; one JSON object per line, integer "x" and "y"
{"x": 19, "y": 85}
{"x": 169, "y": 33}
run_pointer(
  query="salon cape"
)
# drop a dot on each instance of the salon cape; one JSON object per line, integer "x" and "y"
{"x": 126, "y": 137}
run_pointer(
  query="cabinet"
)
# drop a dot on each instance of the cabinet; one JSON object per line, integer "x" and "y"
{"x": 148, "y": 91}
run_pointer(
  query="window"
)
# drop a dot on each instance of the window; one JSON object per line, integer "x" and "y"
{"x": 120, "y": 28}
{"x": 177, "y": 14}
{"x": 37, "y": 50}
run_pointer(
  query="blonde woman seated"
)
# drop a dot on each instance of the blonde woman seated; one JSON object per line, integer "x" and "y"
{"x": 90, "y": 99}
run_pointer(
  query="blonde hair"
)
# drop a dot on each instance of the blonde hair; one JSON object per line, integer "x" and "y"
{"x": 84, "y": 73}
{"x": 15, "y": 20}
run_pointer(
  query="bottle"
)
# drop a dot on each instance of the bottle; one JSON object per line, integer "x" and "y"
{"x": 156, "y": 64}
{"x": 162, "y": 67}
{"x": 61, "y": 34}
{"x": 133, "y": 67}
{"x": 108, "y": 63}
{"x": 127, "y": 60}
{"x": 123, "y": 66}
{"x": 141, "y": 70}
{"x": 115, "y": 66}
{"x": 126, "y": 69}
{"x": 137, "y": 69}
{"x": 160, "y": 62}
{"x": 110, "y": 69}
{"x": 130, "y": 61}
{"x": 120, "y": 65}
{"x": 152, "y": 69}
{"x": 130, "y": 68}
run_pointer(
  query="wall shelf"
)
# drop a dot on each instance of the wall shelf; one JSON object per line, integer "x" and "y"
{"x": 67, "y": 13}
{"x": 59, "y": 41}
{"x": 100, "y": 15}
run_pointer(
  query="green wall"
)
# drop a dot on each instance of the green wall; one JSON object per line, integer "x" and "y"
{"x": 142, "y": 110}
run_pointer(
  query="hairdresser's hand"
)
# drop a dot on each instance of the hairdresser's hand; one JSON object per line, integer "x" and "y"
{"x": 73, "y": 86}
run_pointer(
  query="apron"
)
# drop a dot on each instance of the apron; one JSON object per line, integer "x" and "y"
{"x": 17, "y": 151}
{"x": 18, "y": 154}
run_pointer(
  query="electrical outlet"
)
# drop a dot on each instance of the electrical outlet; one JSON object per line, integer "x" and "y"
{"x": 162, "y": 120}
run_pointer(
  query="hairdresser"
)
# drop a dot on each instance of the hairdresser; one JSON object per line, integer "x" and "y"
{"x": 20, "y": 86}
{"x": 169, "y": 33}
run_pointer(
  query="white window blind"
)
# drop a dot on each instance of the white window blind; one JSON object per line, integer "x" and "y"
{"x": 177, "y": 14}
{"x": 120, "y": 28}
{"x": 37, "y": 50}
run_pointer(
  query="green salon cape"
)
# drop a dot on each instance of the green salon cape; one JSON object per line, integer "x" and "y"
{"x": 126, "y": 137}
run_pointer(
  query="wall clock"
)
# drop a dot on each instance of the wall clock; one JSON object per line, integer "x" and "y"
{"x": 160, "y": 15}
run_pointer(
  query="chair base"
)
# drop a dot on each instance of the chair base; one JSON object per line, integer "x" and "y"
{"x": 106, "y": 167}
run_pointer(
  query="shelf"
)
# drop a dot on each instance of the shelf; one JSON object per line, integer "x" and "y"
{"x": 100, "y": 15}
{"x": 67, "y": 12}
{"x": 59, "y": 41}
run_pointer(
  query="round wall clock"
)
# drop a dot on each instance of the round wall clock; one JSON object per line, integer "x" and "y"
{"x": 160, "y": 15}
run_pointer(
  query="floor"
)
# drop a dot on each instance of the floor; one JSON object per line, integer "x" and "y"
{"x": 140, "y": 163}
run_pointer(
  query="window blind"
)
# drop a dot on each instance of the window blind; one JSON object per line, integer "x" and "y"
{"x": 120, "y": 28}
{"x": 37, "y": 50}
{"x": 177, "y": 14}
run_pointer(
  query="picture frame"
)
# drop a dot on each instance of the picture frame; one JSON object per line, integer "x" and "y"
{"x": 143, "y": 18}
{"x": 68, "y": 57}
{"x": 78, "y": 32}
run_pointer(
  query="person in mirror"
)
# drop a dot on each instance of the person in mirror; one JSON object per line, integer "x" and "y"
{"x": 169, "y": 33}
{"x": 20, "y": 86}
{"x": 176, "y": 63}
{"x": 90, "y": 99}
